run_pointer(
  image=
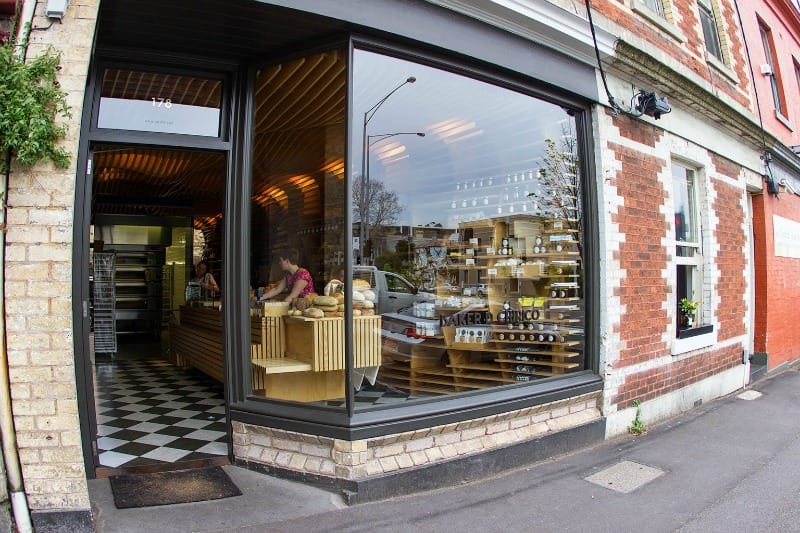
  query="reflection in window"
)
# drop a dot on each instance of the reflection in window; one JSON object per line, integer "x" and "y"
{"x": 656, "y": 6}
{"x": 772, "y": 61}
{"x": 157, "y": 102}
{"x": 688, "y": 249}
{"x": 469, "y": 194}
{"x": 297, "y": 230}
{"x": 709, "y": 23}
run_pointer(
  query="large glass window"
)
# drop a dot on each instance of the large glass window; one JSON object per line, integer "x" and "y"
{"x": 467, "y": 236}
{"x": 297, "y": 231}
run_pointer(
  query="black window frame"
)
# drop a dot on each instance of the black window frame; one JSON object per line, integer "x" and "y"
{"x": 349, "y": 424}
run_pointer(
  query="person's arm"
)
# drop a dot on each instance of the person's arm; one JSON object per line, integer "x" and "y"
{"x": 211, "y": 283}
{"x": 297, "y": 288}
{"x": 279, "y": 288}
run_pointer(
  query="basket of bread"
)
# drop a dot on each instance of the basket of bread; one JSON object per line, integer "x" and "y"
{"x": 332, "y": 303}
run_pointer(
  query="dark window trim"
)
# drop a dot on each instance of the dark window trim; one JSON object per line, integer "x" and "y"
{"x": 439, "y": 411}
{"x": 349, "y": 424}
{"x": 474, "y": 69}
{"x": 694, "y": 332}
{"x": 83, "y": 194}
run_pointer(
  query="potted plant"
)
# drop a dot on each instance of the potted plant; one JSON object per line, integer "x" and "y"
{"x": 688, "y": 309}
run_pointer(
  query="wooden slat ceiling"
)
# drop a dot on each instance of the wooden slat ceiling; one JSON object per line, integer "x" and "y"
{"x": 157, "y": 181}
{"x": 299, "y": 130}
{"x": 137, "y": 85}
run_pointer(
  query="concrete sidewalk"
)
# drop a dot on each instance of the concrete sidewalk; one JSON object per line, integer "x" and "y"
{"x": 728, "y": 465}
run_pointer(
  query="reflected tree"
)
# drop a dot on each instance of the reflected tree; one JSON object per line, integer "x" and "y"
{"x": 381, "y": 206}
{"x": 558, "y": 195}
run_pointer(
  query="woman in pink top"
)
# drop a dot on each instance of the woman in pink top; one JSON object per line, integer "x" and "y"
{"x": 297, "y": 280}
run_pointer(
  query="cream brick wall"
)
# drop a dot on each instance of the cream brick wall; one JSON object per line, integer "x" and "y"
{"x": 39, "y": 291}
{"x": 355, "y": 460}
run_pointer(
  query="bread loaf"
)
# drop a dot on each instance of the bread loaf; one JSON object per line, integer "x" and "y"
{"x": 313, "y": 312}
{"x": 320, "y": 301}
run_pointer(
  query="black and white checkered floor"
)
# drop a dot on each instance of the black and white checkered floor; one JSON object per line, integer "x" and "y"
{"x": 150, "y": 413}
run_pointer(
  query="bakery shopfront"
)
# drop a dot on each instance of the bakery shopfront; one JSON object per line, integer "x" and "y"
{"x": 433, "y": 177}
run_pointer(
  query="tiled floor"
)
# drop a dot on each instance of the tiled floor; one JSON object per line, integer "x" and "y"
{"x": 152, "y": 413}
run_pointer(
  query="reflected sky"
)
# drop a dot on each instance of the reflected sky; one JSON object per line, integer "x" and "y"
{"x": 482, "y": 147}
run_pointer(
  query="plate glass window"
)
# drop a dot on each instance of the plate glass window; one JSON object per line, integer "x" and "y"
{"x": 159, "y": 102}
{"x": 467, "y": 235}
{"x": 297, "y": 228}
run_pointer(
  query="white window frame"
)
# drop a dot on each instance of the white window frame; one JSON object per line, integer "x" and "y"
{"x": 696, "y": 245}
{"x": 696, "y": 200}
{"x": 778, "y": 98}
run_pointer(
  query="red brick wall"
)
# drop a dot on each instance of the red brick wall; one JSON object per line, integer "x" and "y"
{"x": 660, "y": 380}
{"x": 642, "y": 256}
{"x": 643, "y": 290}
{"x": 731, "y": 261}
{"x": 692, "y": 52}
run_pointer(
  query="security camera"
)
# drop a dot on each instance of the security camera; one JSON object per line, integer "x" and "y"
{"x": 652, "y": 105}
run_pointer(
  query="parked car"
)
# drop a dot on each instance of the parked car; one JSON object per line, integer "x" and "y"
{"x": 394, "y": 292}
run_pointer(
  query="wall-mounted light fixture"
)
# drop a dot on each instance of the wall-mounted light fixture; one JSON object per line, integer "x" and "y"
{"x": 652, "y": 105}
{"x": 56, "y": 9}
{"x": 766, "y": 69}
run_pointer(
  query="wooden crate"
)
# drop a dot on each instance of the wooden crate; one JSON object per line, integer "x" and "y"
{"x": 320, "y": 341}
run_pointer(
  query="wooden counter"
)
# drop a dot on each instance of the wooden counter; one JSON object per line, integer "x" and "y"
{"x": 293, "y": 358}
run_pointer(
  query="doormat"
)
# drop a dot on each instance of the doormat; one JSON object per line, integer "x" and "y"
{"x": 167, "y": 488}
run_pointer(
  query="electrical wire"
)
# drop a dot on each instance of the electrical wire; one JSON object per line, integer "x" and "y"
{"x": 772, "y": 187}
{"x": 613, "y": 103}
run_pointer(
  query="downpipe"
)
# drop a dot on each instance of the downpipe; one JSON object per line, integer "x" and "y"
{"x": 8, "y": 435}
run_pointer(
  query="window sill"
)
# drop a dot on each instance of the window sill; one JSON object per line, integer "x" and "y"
{"x": 657, "y": 20}
{"x": 721, "y": 67}
{"x": 693, "y": 339}
{"x": 783, "y": 120}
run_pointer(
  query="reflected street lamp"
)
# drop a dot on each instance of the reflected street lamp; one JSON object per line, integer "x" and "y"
{"x": 378, "y": 138}
{"x": 363, "y": 231}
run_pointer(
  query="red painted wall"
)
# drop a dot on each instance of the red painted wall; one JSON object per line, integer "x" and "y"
{"x": 777, "y": 326}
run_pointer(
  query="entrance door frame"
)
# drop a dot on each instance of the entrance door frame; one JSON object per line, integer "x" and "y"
{"x": 231, "y": 74}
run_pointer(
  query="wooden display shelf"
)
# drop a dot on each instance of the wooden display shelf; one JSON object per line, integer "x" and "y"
{"x": 320, "y": 341}
{"x": 482, "y": 367}
{"x": 541, "y": 352}
{"x": 538, "y": 362}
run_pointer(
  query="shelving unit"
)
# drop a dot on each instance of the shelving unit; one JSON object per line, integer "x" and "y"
{"x": 104, "y": 303}
{"x": 532, "y": 271}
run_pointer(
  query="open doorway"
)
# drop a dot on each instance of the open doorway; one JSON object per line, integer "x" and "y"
{"x": 155, "y": 213}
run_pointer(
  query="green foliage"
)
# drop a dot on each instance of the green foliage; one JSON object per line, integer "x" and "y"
{"x": 688, "y": 306}
{"x": 637, "y": 427}
{"x": 30, "y": 102}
